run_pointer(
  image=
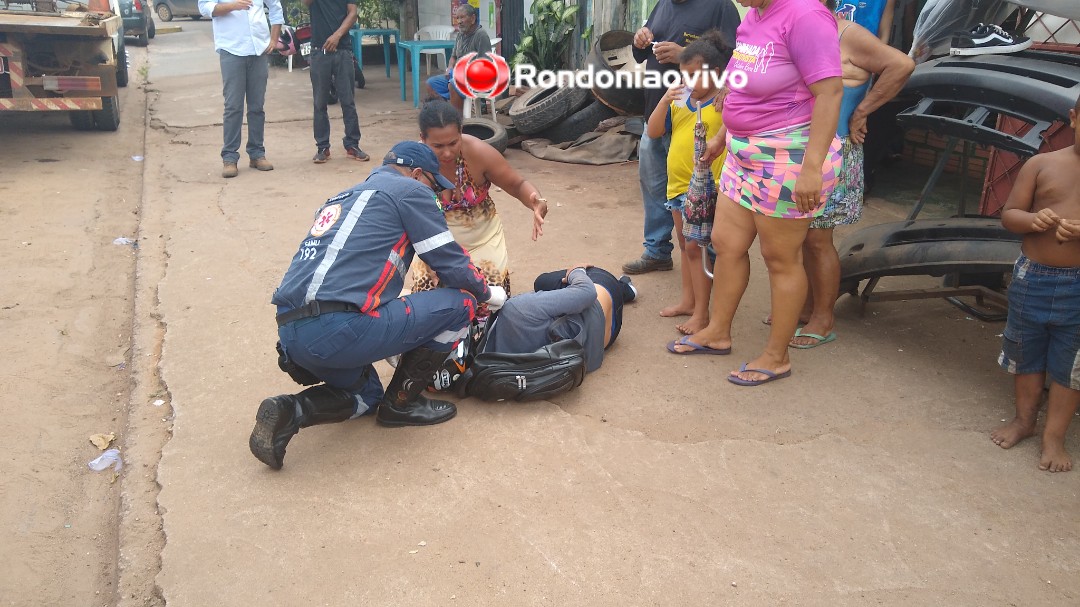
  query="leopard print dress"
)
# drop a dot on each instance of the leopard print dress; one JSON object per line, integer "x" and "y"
{"x": 476, "y": 226}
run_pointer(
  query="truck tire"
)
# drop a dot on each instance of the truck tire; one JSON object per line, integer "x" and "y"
{"x": 164, "y": 12}
{"x": 82, "y": 120}
{"x": 122, "y": 65}
{"x": 580, "y": 122}
{"x": 108, "y": 117}
{"x": 488, "y": 131}
{"x": 541, "y": 108}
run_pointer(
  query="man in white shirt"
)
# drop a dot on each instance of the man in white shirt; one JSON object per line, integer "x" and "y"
{"x": 243, "y": 41}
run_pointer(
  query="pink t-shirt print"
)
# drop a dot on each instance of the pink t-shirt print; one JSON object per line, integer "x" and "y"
{"x": 793, "y": 45}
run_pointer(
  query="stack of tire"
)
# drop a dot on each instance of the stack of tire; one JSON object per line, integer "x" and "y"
{"x": 563, "y": 114}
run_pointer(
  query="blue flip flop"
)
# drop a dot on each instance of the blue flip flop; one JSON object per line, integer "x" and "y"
{"x": 819, "y": 340}
{"x": 770, "y": 376}
{"x": 695, "y": 348}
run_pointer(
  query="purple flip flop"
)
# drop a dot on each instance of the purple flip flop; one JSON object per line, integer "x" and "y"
{"x": 696, "y": 348}
{"x": 770, "y": 376}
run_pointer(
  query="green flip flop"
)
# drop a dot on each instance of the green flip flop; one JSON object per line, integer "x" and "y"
{"x": 818, "y": 339}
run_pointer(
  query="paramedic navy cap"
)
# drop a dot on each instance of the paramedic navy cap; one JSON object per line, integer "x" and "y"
{"x": 416, "y": 155}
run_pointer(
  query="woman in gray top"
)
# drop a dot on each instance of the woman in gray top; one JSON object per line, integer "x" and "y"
{"x": 583, "y": 303}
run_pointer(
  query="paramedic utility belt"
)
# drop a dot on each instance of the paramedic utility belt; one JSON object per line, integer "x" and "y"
{"x": 315, "y": 308}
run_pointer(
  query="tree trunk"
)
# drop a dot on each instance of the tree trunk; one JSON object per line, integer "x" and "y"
{"x": 409, "y": 19}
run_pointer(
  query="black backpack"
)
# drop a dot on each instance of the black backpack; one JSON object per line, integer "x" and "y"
{"x": 553, "y": 369}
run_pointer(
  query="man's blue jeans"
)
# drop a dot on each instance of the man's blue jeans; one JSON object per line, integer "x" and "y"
{"x": 652, "y": 171}
{"x": 243, "y": 81}
{"x": 340, "y": 347}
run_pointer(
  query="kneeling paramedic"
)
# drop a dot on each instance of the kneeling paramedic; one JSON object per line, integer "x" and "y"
{"x": 338, "y": 310}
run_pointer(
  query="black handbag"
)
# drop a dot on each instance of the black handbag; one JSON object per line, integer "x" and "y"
{"x": 497, "y": 376}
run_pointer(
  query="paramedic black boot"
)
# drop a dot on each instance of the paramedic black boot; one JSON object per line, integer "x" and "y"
{"x": 278, "y": 421}
{"x": 405, "y": 403}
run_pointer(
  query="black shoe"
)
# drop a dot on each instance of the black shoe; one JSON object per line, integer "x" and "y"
{"x": 987, "y": 40}
{"x": 277, "y": 422}
{"x": 422, "y": 411}
{"x": 644, "y": 265}
{"x": 404, "y": 403}
{"x": 275, "y": 425}
{"x": 629, "y": 290}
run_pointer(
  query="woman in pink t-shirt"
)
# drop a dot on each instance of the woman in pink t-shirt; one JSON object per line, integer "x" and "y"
{"x": 784, "y": 119}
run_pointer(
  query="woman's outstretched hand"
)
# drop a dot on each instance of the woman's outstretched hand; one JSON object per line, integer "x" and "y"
{"x": 540, "y": 209}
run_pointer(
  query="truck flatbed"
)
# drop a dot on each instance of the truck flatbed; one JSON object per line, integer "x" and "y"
{"x": 98, "y": 25}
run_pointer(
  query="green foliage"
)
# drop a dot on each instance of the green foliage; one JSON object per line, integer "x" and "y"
{"x": 546, "y": 41}
{"x": 370, "y": 13}
{"x": 378, "y": 13}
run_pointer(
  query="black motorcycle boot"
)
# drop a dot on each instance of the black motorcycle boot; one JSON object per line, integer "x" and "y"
{"x": 276, "y": 422}
{"x": 404, "y": 403}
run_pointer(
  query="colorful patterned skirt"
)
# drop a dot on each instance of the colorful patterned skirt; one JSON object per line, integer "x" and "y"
{"x": 760, "y": 172}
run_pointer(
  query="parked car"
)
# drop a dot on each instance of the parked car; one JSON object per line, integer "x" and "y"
{"x": 167, "y": 9}
{"x": 138, "y": 21}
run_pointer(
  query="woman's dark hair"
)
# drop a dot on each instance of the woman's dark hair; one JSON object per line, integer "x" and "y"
{"x": 436, "y": 114}
{"x": 831, "y": 5}
{"x": 712, "y": 47}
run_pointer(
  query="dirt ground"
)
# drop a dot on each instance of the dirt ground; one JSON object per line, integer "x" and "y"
{"x": 868, "y": 477}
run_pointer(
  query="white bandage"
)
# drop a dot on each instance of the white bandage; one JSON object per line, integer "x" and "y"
{"x": 497, "y": 299}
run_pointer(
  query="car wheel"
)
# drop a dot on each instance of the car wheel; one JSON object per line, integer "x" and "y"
{"x": 82, "y": 120}
{"x": 164, "y": 12}
{"x": 144, "y": 38}
{"x": 108, "y": 117}
{"x": 196, "y": 17}
{"x": 122, "y": 66}
{"x": 541, "y": 108}
{"x": 150, "y": 25}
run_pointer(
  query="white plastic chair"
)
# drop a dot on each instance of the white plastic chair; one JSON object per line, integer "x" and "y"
{"x": 434, "y": 32}
{"x": 476, "y": 106}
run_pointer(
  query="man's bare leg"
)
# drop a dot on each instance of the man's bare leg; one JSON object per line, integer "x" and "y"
{"x": 822, "y": 264}
{"x": 1060, "y": 410}
{"x": 1029, "y": 388}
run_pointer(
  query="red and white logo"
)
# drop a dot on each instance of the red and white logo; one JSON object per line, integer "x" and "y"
{"x": 326, "y": 220}
{"x": 486, "y": 76}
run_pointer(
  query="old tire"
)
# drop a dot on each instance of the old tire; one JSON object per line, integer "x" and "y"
{"x": 122, "y": 65}
{"x": 108, "y": 117}
{"x": 152, "y": 29}
{"x": 611, "y": 53}
{"x": 164, "y": 12}
{"x": 82, "y": 120}
{"x": 144, "y": 38}
{"x": 580, "y": 122}
{"x": 488, "y": 131}
{"x": 541, "y": 108}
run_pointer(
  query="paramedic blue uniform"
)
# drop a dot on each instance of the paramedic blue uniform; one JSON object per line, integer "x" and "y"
{"x": 355, "y": 256}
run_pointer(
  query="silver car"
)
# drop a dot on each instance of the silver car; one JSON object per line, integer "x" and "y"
{"x": 167, "y": 9}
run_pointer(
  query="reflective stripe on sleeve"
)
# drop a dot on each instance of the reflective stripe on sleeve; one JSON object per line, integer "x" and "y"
{"x": 436, "y": 241}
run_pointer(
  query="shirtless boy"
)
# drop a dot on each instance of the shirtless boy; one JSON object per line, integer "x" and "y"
{"x": 1043, "y": 331}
